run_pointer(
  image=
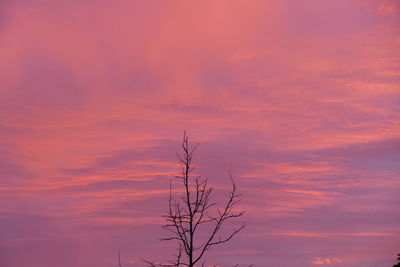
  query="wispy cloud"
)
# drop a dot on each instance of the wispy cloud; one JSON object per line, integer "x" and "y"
{"x": 298, "y": 100}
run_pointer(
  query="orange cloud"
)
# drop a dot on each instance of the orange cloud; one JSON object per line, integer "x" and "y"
{"x": 318, "y": 261}
{"x": 387, "y": 9}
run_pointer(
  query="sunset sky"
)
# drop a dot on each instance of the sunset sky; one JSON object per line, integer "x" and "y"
{"x": 299, "y": 100}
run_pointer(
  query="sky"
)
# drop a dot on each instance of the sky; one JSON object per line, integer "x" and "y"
{"x": 299, "y": 100}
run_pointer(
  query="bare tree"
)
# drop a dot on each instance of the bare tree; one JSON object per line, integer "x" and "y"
{"x": 398, "y": 259}
{"x": 192, "y": 210}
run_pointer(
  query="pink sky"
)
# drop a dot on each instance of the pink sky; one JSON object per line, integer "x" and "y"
{"x": 298, "y": 99}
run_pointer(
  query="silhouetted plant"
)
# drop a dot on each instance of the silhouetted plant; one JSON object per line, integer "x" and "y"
{"x": 398, "y": 259}
{"x": 191, "y": 211}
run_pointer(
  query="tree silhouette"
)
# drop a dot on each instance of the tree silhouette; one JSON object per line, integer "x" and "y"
{"x": 192, "y": 213}
{"x": 398, "y": 259}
